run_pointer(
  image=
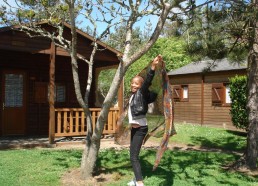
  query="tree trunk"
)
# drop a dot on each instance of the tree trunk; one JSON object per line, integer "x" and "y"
{"x": 252, "y": 136}
{"x": 91, "y": 150}
{"x": 89, "y": 158}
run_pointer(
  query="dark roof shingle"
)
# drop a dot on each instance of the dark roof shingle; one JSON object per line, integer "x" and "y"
{"x": 209, "y": 66}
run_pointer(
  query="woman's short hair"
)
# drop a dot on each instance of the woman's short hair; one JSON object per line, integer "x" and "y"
{"x": 138, "y": 77}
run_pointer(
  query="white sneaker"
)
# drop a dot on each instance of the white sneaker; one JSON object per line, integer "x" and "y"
{"x": 132, "y": 183}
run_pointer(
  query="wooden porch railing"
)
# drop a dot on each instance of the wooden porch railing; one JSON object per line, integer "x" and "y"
{"x": 72, "y": 121}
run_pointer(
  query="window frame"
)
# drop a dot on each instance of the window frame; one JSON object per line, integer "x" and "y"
{"x": 56, "y": 93}
{"x": 182, "y": 96}
{"x": 227, "y": 103}
{"x": 41, "y": 92}
{"x": 178, "y": 90}
{"x": 219, "y": 90}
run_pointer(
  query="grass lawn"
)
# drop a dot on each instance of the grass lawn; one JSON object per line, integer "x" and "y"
{"x": 209, "y": 137}
{"x": 32, "y": 167}
{"x": 178, "y": 168}
{"x": 35, "y": 167}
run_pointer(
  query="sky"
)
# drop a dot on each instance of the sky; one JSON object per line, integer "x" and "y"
{"x": 101, "y": 27}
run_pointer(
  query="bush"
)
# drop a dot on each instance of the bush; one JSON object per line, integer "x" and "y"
{"x": 238, "y": 95}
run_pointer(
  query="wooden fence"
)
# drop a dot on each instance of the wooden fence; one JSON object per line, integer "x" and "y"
{"x": 72, "y": 121}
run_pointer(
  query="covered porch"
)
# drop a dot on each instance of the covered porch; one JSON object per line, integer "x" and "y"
{"x": 37, "y": 86}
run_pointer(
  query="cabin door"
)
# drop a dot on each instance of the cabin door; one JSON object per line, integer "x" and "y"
{"x": 13, "y": 103}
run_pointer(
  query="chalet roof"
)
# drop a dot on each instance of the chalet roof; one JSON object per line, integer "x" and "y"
{"x": 8, "y": 28}
{"x": 209, "y": 66}
{"x": 91, "y": 38}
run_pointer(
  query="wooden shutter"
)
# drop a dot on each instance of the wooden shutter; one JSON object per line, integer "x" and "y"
{"x": 217, "y": 94}
{"x": 40, "y": 92}
{"x": 177, "y": 93}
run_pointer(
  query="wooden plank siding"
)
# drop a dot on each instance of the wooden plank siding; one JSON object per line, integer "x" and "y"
{"x": 193, "y": 106}
{"x": 31, "y": 55}
{"x": 37, "y": 67}
{"x": 215, "y": 115}
{"x": 201, "y": 100}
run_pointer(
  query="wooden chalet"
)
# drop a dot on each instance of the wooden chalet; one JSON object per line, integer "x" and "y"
{"x": 201, "y": 92}
{"x": 29, "y": 65}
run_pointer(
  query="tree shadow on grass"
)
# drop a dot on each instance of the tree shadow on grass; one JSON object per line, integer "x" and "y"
{"x": 163, "y": 172}
{"x": 192, "y": 166}
{"x": 111, "y": 161}
{"x": 177, "y": 167}
{"x": 119, "y": 162}
{"x": 224, "y": 143}
{"x": 198, "y": 168}
{"x": 64, "y": 158}
{"x": 237, "y": 133}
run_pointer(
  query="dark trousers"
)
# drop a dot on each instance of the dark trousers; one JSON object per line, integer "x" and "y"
{"x": 137, "y": 136}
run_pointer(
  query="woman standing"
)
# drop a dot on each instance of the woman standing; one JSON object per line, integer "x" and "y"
{"x": 138, "y": 107}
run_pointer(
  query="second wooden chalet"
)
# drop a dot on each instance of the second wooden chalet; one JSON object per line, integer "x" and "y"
{"x": 27, "y": 67}
{"x": 201, "y": 92}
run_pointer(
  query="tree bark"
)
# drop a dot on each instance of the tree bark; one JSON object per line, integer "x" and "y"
{"x": 252, "y": 135}
{"x": 89, "y": 158}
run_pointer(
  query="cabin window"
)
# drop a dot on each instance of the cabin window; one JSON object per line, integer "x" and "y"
{"x": 220, "y": 94}
{"x": 60, "y": 93}
{"x": 41, "y": 92}
{"x": 227, "y": 92}
{"x": 13, "y": 90}
{"x": 180, "y": 93}
{"x": 184, "y": 93}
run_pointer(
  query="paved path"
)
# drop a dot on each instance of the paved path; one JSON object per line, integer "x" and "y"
{"x": 15, "y": 142}
{"x": 61, "y": 143}
{"x": 79, "y": 143}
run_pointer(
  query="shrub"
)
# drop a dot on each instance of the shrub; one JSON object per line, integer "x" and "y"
{"x": 238, "y": 95}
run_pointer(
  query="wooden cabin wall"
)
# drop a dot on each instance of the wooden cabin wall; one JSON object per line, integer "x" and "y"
{"x": 190, "y": 111}
{"x": 218, "y": 116}
{"x": 193, "y": 105}
{"x": 36, "y": 67}
{"x": 32, "y": 55}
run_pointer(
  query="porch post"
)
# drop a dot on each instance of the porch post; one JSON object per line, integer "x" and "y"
{"x": 52, "y": 93}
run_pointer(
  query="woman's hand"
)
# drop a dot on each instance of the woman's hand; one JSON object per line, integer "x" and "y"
{"x": 156, "y": 61}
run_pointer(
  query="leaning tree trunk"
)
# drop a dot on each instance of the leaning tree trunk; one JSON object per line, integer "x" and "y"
{"x": 89, "y": 157}
{"x": 252, "y": 136}
{"x": 90, "y": 153}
